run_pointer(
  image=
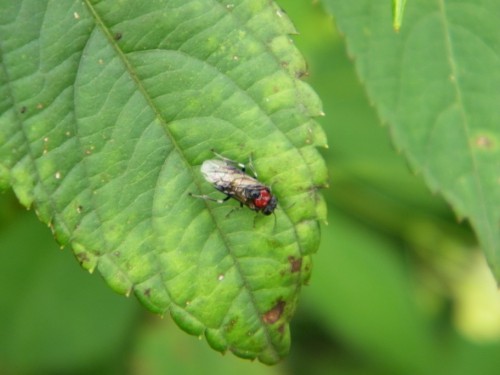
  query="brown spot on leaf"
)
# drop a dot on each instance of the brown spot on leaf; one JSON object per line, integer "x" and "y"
{"x": 147, "y": 292}
{"x": 118, "y": 36}
{"x": 275, "y": 313}
{"x": 307, "y": 267}
{"x": 23, "y": 109}
{"x": 484, "y": 142}
{"x": 230, "y": 325}
{"x": 300, "y": 74}
{"x": 295, "y": 263}
{"x": 82, "y": 257}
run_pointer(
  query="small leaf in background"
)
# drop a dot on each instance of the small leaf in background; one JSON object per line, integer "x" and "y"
{"x": 398, "y": 10}
{"x": 109, "y": 109}
{"x": 436, "y": 85}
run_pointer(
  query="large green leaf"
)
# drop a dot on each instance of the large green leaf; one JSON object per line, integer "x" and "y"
{"x": 436, "y": 83}
{"x": 108, "y": 110}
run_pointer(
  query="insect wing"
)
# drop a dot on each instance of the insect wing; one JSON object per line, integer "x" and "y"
{"x": 220, "y": 173}
{"x": 230, "y": 180}
{"x": 244, "y": 186}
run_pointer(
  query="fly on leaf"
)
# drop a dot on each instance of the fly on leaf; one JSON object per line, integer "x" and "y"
{"x": 229, "y": 177}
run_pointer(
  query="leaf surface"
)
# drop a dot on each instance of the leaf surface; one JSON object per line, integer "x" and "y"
{"x": 108, "y": 110}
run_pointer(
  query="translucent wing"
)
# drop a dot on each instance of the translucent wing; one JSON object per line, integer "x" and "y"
{"x": 220, "y": 173}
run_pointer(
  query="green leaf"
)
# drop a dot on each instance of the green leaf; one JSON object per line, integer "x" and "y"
{"x": 436, "y": 84}
{"x": 108, "y": 110}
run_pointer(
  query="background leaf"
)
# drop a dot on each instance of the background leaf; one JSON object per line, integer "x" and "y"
{"x": 108, "y": 109}
{"x": 48, "y": 302}
{"x": 369, "y": 266}
{"x": 436, "y": 84}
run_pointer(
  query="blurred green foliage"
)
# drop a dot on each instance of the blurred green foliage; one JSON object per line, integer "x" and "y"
{"x": 399, "y": 286}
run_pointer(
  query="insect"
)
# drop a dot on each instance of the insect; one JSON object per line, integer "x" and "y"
{"x": 229, "y": 177}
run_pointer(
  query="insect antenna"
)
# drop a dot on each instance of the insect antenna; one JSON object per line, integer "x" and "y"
{"x": 259, "y": 217}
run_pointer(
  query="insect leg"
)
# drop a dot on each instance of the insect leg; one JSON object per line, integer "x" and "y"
{"x": 232, "y": 210}
{"x": 206, "y": 197}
